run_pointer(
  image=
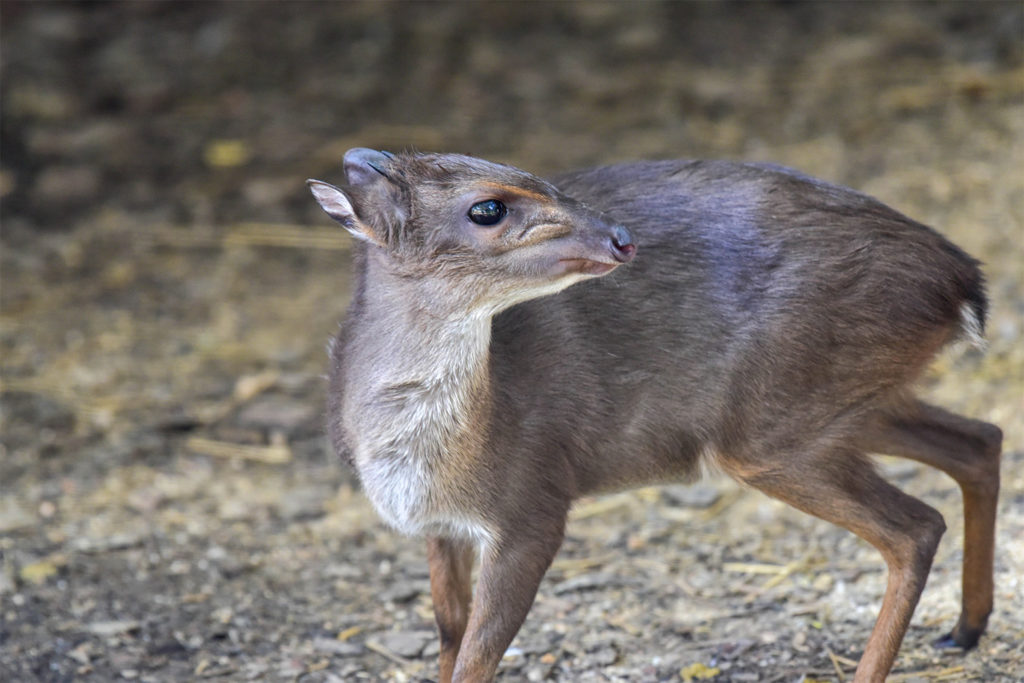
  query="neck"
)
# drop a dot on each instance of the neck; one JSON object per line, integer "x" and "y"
{"x": 421, "y": 371}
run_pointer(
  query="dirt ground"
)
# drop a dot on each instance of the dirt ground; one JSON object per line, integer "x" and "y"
{"x": 169, "y": 509}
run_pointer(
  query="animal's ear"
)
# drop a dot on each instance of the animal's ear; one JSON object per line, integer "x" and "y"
{"x": 378, "y": 192}
{"x": 339, "y": 207}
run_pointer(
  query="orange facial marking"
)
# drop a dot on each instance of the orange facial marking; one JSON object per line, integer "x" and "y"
{"x": 502, "y": 188}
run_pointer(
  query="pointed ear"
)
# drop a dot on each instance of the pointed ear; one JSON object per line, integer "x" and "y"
{"x": 338, "y": 206}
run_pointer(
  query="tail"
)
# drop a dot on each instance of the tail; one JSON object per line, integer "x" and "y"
{"x": 974, "y": 304}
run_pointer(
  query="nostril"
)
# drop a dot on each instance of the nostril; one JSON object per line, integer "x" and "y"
{"x": 621, "y": 238}
{"x": 622, "y": 243}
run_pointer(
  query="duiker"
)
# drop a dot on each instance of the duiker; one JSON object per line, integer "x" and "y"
{"x": 500, "y": 359}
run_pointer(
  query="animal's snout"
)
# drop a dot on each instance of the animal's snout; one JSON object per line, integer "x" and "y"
{"x": 623, "y": 248}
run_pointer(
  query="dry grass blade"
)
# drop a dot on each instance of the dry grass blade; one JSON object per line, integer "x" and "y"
{"x": 780, "y": 576}
{"x": 384, "y": 652}
{"x": 836, "y": 664}
{"x": 181, "y": 237}
{"x": 810, "y": 608}
{"x": 250, "y": 235}
{"x": 283, "y": 235}
{"x": 937, "y": 674}
{"x": 275, "y": 454}
{"x": 759, "y": 568}
{"x": 845, "y": 661}
{"x": 602, "y": 505}
{"x": 722, "y": 504}
{"x": 573, "y": 564}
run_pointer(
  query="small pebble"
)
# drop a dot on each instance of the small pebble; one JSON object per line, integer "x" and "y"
{"x": 406, "y": 643}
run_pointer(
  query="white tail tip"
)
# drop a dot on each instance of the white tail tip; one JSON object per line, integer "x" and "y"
{"x": 971, "y": 327}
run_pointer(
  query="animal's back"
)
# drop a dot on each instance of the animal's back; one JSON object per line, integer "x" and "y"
{"x": 772, "y": 234}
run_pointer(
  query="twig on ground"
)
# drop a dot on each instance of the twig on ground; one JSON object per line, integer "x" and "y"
{"x": 836, "y": 664}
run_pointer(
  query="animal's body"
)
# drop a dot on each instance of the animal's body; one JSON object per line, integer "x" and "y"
{"x": 770, "y": 325}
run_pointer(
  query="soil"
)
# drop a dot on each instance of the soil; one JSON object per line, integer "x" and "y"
{"x": 169, "y": 508}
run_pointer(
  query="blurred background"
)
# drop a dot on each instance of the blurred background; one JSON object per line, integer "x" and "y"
{"x": 169, "y": 510}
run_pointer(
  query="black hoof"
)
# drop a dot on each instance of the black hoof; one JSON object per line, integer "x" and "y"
{"x": 963, "y": 639}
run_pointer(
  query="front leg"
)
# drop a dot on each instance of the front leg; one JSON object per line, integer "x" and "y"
{"x": 451, "y": 587}
{"x": 510, "y": 572}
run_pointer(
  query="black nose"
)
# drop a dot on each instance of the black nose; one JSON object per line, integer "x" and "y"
{"x": 623, "y": 248}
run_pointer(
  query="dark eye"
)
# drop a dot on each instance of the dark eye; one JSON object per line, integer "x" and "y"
{"x": 487, "y": 213}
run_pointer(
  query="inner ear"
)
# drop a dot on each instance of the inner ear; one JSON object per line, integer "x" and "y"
{"x": 338, "y": 206}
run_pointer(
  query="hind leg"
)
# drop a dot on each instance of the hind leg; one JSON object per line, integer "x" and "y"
{"x": 968, "y": 451}
{"x": 840, "y": 485}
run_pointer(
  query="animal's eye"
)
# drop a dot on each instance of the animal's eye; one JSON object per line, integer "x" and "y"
{"x": 487, "y": 213}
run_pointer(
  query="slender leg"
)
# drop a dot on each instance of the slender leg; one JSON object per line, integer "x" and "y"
{"x": 842, "y": 487}
{"x": 509, "y": 576}
{"x": 968, "y": 451}
{"x": 451, "y": 588}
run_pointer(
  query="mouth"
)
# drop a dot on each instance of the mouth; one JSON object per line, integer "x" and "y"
{"x": 586, "y": 266}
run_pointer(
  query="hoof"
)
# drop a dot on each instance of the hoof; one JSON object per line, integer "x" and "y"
{"x": 963, "y": 639}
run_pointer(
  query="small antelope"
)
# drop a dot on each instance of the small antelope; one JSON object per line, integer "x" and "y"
{"x": 500, "y": 359}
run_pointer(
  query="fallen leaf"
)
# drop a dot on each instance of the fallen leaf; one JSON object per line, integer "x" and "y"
{"x": 319, "y": 665}
{"x": 248, "y": 386}
{"x": 226, "y": 153}
{"x": 349, "y": 632}
{"x": 698, "y": 672}
{"x": 38, "y": 572}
